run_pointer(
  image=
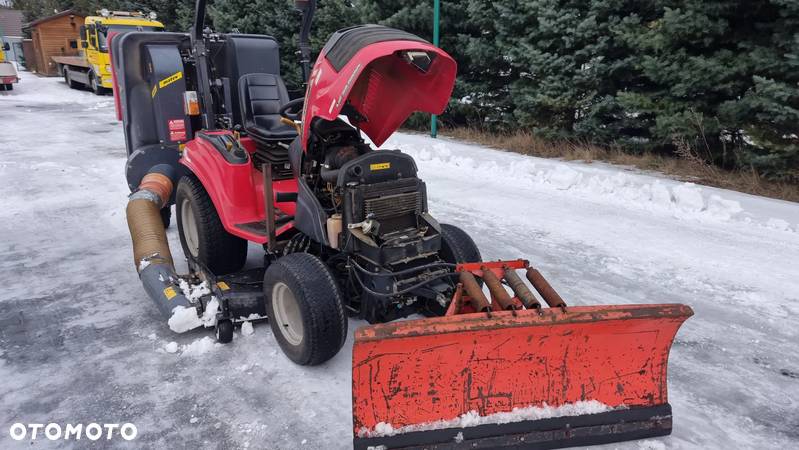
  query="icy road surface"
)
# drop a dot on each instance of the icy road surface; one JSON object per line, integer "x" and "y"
{"x": 81, "y": 342}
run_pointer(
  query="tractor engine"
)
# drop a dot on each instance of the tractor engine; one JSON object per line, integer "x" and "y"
{"x": 378, "y": 218}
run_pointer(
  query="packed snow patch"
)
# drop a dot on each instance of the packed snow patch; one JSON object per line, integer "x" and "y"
{"x": 651, "y": 445}
{"x": 688, "y": 197}
{"x": 473, "y": 418}
{"x": 778, "y": 224}
{"x": 246, "y": 329}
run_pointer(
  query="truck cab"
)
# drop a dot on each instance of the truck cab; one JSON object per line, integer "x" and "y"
{"x": 94, "y": 38}
{"x": 93, "y": 67}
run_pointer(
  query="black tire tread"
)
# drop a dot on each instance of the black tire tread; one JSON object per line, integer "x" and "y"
{"x": 458, "y": 247}
{"x": 321, "y": 303}
{"x": 220, "y": 251}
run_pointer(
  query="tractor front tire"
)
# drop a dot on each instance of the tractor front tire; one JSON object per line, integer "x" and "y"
{"x": 305, "y": 308}
{"x": 457, "y": 246}
{"x": 202, "y": 235}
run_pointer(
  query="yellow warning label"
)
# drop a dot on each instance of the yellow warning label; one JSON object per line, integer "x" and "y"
{"x": 170, "y": 293}
{"x": 170, "y": 79}
{"x": 222, "y": 285}
{"x": 379, "y": 166}
{"x": 152, "y": 94}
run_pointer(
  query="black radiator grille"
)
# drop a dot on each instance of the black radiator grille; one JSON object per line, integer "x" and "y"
{"x": 394, "y": 205}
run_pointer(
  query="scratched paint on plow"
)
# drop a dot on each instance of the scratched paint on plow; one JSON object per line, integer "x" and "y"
{"x": 419, "y": 372}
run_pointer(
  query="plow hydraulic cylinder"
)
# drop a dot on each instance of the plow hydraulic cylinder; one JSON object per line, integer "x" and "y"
{"x": 479, "y": 300}
{"x": 499, "y": 296}
{"x": 520, "y": 289}
{"x": 543, "y": 287}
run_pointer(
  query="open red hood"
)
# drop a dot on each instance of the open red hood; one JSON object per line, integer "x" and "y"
{"x": 377, "y": 77}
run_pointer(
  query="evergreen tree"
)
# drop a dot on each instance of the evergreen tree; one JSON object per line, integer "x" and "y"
{"x": 281, "y": 20}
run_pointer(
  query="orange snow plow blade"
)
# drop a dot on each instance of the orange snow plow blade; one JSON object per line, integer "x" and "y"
{"x": 514, "y": 377}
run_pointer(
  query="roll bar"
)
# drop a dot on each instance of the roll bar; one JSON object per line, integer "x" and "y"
{"x": 307, "y": 7}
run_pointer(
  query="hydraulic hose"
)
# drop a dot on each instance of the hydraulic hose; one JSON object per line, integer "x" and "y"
{"x": 151, "y": 253}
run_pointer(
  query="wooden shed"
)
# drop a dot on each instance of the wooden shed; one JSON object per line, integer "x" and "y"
{"x": 56, "y": 35}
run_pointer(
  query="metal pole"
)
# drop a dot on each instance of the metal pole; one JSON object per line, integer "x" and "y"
{"x": 436, "y": 17}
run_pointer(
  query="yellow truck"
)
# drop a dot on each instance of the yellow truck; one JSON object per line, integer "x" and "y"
{"x": 92, "y": 68}
{"x": 8, "y": 71}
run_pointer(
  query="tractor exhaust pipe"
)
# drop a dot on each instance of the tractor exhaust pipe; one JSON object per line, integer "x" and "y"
{"x": 151, "y": 253}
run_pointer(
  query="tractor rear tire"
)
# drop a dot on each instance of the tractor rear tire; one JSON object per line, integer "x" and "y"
{"x": 202, "y": 235}
{"x": 305, "y": 308}
{"x": 457, "y": 246}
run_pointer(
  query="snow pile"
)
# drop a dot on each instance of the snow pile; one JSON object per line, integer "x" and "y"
{"x": 246, "y": 329}
{"x": 473, "y": 418}
{"x": 209, "y": 315}
{"x": 595, "y": 182}
{"x": 196, "y": 348}
{"x": 186, "y": 318}
{"x": 199, "y": 347}
{"x": 193, "y": 292}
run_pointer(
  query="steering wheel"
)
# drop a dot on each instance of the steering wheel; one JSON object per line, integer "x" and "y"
{"x": 293, "y": 109}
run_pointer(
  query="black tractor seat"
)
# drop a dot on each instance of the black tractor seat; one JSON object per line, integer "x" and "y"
{"x": 261, "y": 95}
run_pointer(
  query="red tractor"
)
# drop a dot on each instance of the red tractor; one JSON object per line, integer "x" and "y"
{"x": 210, "y": 127}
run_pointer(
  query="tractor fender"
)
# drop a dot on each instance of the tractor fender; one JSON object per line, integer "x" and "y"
{"x": 230, "y": 185}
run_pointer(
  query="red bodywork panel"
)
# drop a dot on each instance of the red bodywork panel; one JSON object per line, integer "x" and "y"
{"x": 236, "y": 190}
{"x": 421, "y": 371}
{"x": 381, "y": 86}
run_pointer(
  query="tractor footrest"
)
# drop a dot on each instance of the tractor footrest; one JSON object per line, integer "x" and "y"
{"x": 569, "y": 431}
{"x": 259, "y": 227}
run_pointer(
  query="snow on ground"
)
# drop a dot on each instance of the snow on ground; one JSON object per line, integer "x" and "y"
{"x": 80, "y": 341}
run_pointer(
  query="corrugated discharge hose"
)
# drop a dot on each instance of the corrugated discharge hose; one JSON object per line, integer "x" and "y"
{"x": 151, "y": 253}
{"x": 144, "y": 220}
